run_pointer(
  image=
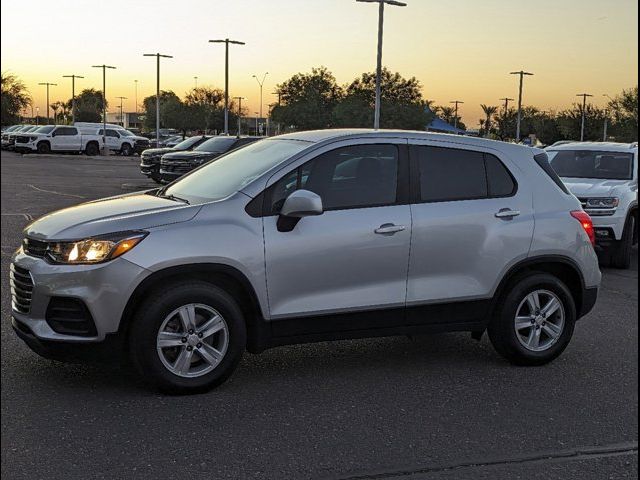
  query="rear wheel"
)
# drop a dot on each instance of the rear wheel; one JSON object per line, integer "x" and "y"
{"x": 187, "y": 337}
{"x": 621, "y": 250}
{"x": 92, "y": 149}
{"x": 534, "y": 321}
{"x": 44, "y": 147}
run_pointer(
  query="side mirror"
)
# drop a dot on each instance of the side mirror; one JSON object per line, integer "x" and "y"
{"x": 301, "y": 203}
{"x": 53, "y": 134}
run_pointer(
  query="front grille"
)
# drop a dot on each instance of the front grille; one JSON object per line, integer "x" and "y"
{"x": 583, "y": 202}
{"x": 22, "y": 139}
{"x": 177, "y": 167}
{"x": 34, "y": 248}
{"x": 21, "y": 288}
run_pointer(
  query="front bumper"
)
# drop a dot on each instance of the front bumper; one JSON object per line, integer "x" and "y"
{"x": 169, "y": 176}
{"x": 150, "y": 168}
{"x": 608, "y": 227}
{"x": 103, "y": 288}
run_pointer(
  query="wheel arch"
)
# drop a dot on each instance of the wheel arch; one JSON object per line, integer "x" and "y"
{"x": 564, "y": 268}
{"x": 226, "y": 277}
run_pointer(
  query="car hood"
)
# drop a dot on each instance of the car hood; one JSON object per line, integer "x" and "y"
{"x": 592, "y": 187}
{"x": 190, "y": 155}
{"x": 154, "y": 152}
{"x": 133, "y": 211}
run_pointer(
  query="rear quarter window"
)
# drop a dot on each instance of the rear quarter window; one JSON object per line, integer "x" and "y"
{"x": 543, "y": 162}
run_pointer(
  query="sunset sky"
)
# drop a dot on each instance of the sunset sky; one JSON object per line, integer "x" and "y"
{"x": 461, "y": 50}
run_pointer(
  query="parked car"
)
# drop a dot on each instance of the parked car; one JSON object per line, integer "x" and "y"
{"x": 604, "y": 177}
{"x": 174, "y": 165}
{"x": 9, "y": 138}
{"x": 306, "y": 237}
{"x": 150, "y": 158}
{"x": 119, "y": 139}
{"x": 58, "y": 138}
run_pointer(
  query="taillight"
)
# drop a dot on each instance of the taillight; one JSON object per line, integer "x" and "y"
{"x": 587, "y": 224}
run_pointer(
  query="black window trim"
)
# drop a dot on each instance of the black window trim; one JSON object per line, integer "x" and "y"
{"x": 259, "y": 206}
{"x": 416, "y": 193}
{"x": 542, "y": 159}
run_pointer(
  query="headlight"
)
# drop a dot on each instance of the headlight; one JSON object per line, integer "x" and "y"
{"x": 33, "y": 139}
{"x": 94, "y": 250}
{"x": 602, "y": 202}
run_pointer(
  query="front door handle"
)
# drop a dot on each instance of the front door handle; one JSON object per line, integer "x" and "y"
{"x": 389, "y": 229}
{"x": 507, "y": 213}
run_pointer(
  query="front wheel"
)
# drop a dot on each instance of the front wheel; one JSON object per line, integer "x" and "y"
{"x": 126, "y": 150}
{"x": 44, "y": 147}
{"x": 621, "y": 250}
{"x": 534, "y": 322}
{"x": 187, "y": 337}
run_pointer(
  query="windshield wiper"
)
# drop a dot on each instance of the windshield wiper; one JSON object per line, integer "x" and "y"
{"x": 175, "y": 198}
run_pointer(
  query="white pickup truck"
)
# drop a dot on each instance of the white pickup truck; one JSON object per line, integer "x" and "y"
{"x": 604, "y": 177}
{"x": 58, "y": 138}
{"x": 118, "y": 138}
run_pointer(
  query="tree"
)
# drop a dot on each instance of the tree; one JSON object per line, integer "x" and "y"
{"x": 88, "y": 105}
{"x": 171, "y": 111}
{"x": 570, "y": 121}
{"x": 488, "y": 110}
{"x": 401, "y": 105}
{"x": 205, "y": 109}
{"x": 307, "y": 100}
{"x": 15, "y": 98}
{"x": 624, "y": 110}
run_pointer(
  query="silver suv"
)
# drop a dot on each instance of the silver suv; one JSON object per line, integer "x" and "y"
{"x": 307, "y": 237}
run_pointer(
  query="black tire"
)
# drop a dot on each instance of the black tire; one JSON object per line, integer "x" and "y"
{"x": 621, "y": 250}
{"x": 92, "y": 149}
{"x": 44, "y": 147}
{"x": 149, "y": 318}
{"x": 126, "y": 150}
{"x": 502, "y": 332}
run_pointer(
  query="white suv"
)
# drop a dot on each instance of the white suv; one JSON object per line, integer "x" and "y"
{"x": 604, "y": 177}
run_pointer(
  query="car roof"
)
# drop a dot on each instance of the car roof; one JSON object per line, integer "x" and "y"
{"x": 600, "y": 146}
{"x": 321, "y": 136}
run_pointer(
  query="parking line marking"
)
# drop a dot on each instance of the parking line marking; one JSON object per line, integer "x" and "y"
{"x": 25, "y": 215}
{"x": 54, "y": 192}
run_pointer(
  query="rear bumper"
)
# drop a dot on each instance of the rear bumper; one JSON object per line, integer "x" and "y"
{"x": 589, "y": 298}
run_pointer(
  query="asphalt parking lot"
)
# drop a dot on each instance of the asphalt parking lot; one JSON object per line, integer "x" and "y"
{"x": 433, "y": 407}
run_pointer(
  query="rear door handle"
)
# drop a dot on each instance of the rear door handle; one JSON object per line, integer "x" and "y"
{"x": 507, "y": 213}
{"x": 389, "y": 229}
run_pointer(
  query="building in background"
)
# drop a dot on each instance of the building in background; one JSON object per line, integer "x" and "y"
{"x": 128, "y": 119}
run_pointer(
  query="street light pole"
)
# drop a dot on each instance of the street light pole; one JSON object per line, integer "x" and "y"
{"x": 135, "y": 99}
{"x": 606, "y": 119}
{"x": 522, "y": 73}
{"x": 121, "y": 116}
{"x": 73, "y": 95}
{"x": 48, "y": 84}
{"x": 196, "y": 79}
{"x": 157, "y": 55}
{"x": 105, "y": 150}
{"x": 239, "y": 112}
{"x": 584, "y": 106}
{"x": 506, "y": 104}
{"x": 226, "y": 42}
{"x": 261, "y": 83}
{"x": 381, "y": 3}
{"x": 455, "y": 115}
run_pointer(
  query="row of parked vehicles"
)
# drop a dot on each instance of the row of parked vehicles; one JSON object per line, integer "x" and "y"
{"x": 81, "y": 137}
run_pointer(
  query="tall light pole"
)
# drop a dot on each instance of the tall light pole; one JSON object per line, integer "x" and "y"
{"x": 584, "y": 106}
{"x": 522, "y": 73}
{"x": 48, "y": 85}
{"x": 196, "y": 80}
{"x": 257, "y": 122}
{"x": 135, "y": 99}
{"x": 606, "y": 118}
{"x": 261, "y": 83}
{"x": 157, "y": 55}
{"x": 239, "y": 112}
{"x": 105, "y": 150}
{"x": 381, "y": 3}
{"x": 455, "y": 115}
{"x": 121, "y": 116}
{"x": 73, "y": 95}
{"x": 226, "y": 42}
{"x": 506, "y": 104}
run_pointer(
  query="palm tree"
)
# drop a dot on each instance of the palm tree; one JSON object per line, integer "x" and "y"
{"x": 446, "y": 113}
{"x": 488, "y": 110}
{"x": 55, "y": 106}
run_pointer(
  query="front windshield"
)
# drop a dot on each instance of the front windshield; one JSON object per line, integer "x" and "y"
{"x": 231, "y": 172}
{"x": 46, "y": 129}
{"x": 592, "y": 164}
{"x": 187, "y": 143}
{"x": 216, "y": 144}
{"x": 125, "y": 133}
